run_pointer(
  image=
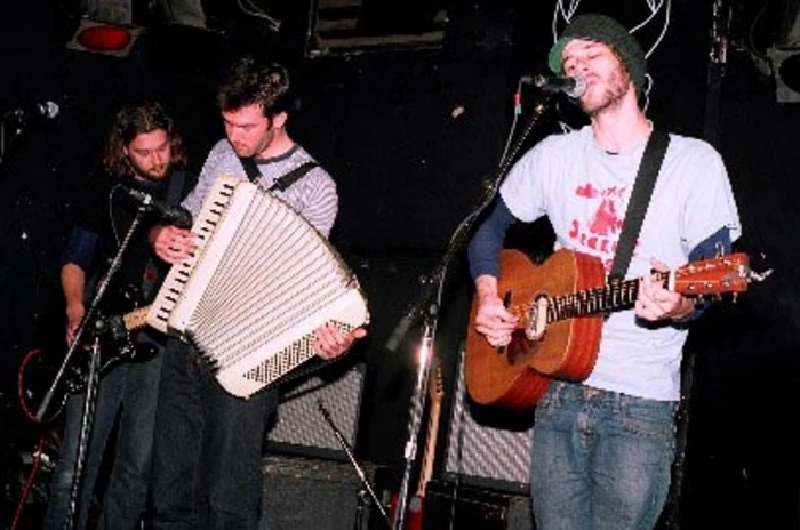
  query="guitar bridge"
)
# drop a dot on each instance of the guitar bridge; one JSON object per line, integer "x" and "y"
{"x": 537, "y": 317}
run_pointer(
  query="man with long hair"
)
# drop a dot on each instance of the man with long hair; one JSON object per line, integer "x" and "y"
{"x": 143, "y": 153}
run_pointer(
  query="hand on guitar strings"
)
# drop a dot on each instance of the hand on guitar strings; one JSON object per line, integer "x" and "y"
{"x": 492, "y": 319}
{"x": 656, "y": 302}
{"x": 75, "y": 312}
{"x": 329, "y": 342}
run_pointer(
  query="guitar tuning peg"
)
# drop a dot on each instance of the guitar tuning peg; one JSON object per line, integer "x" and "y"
{"x": 759, "y": 276}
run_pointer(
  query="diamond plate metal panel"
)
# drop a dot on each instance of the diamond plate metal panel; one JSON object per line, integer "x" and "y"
{"x": 301, "y": 428}
{"x": 487, "y": 447}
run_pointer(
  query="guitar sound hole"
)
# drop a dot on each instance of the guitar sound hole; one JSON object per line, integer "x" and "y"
{"x": 520, "y": 349}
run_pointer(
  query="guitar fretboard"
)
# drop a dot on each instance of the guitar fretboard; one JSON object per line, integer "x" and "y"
{"x": 612, "y": 296}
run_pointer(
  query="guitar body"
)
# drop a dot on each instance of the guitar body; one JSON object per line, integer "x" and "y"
{"x": 517, "y": 375}
{"x": 116, "y": 346}
{"x": 37, "y": 371}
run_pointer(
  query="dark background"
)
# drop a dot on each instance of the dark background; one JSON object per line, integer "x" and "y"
{"x": 411, "y": 134}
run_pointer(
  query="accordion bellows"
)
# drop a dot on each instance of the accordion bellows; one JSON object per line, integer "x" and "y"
{"x": 261, "y": 281}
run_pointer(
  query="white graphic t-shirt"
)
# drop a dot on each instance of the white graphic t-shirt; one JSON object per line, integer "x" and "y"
{"x": 584, "y": 191}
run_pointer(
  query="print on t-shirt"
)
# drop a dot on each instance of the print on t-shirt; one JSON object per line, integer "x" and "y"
{"x": 599, "y": 234}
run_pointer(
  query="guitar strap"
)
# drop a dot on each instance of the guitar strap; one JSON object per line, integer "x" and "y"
{"x": 643, "y": 186}
{"x": 282, "y": 183}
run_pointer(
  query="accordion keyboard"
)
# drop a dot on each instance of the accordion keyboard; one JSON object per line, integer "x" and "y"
{"x": 216, "y": 203}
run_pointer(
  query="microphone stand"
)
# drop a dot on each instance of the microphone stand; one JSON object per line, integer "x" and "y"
{"x": 87, "y": 419}
{"x": 90, "y": 313}
{"x": 424, "y": 307}
{"x": 366, "y": 488}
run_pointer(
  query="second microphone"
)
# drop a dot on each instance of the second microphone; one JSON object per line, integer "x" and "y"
{"x": 174, "y": 215}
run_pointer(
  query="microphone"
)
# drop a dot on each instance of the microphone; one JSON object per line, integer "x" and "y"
{"x": 48, "y": 110}
{"x": 174, "y": 215}
{"x": 573, "y": 87}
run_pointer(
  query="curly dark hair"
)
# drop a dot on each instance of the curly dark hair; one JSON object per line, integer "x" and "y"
{"x": 131, "y": 121}
{"x": 254, "y": 81}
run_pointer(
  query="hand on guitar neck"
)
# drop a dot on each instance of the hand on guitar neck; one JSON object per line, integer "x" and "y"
{"x": 549, "y": 321}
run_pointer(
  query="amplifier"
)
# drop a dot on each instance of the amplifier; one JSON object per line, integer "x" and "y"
{"x": 448, "y": 505}
{"x": 486, "y": 446}
{"x": 313, "y": 494}
{"x": 299, "y": 426}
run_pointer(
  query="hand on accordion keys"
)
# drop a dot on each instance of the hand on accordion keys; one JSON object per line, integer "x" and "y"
{"x": 330, "y": 342}
{"x": 172, "y": 244}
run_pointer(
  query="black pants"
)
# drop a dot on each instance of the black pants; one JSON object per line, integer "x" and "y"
{"x": 207, "y": 449}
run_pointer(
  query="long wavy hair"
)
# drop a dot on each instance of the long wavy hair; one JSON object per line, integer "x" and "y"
{"x": 130, "y": 122}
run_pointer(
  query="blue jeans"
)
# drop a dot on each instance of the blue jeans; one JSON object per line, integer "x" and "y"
{"x": 130, "y": 391}
{"x": 207, "y": 452}
{"x": 600, "y": 460}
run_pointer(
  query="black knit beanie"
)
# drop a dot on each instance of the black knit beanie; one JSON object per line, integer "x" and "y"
{"x": 603, "y": 29}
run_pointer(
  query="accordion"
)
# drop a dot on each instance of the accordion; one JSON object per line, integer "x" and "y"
{"x": 260, "y": 282}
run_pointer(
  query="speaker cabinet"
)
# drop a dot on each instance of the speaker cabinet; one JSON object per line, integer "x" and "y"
{"x": 301, "y": 428}
{"x": 450, "y": 506}
{"x": 313, "y": 494}
{"x": 485, "y": 446}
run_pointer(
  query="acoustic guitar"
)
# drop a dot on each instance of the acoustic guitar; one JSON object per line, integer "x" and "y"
{"x": 560, "y": 305}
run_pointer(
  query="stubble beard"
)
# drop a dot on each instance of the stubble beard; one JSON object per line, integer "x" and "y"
{"x": 612, "y": 98}
{"x": 256, "y": 150}
{"x": 154, "y": 173}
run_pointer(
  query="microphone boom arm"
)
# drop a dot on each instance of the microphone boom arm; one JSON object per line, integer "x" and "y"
{"x": 424, "y": 305}
{"x": 459, "y": 238}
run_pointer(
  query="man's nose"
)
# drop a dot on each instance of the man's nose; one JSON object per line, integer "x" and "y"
{"x": 579, "y": 66}
{"x": 233, "y": 134}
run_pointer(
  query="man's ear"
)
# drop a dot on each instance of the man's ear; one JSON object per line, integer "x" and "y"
{"x": 279, "y": 120}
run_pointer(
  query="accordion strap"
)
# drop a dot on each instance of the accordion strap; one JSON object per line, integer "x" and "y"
{"x": 250, "y": 167}
{"x": 282, "y": 183}
{"x": 293, "y": 176}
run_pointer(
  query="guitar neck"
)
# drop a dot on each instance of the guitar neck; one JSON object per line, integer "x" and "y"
{"x": 136, "y": 319}
{"x": 610, "y": 297}
{"x": 429, "y": 452}
{"x": 432, "y": 433}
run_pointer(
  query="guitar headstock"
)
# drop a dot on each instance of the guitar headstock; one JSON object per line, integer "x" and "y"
{"x": 713, "y": 276}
